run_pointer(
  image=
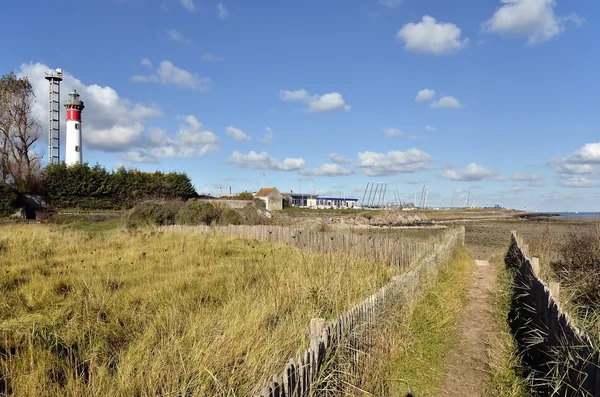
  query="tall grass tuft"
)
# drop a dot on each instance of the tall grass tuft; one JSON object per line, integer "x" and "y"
{"x": 140, "y": 312}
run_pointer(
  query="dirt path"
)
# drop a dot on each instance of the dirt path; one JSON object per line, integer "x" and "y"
{"x": 465, "y": 375}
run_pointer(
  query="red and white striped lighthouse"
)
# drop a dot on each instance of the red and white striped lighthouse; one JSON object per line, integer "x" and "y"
{"x": 74, "y": 107}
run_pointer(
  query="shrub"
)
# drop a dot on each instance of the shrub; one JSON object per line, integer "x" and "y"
{"x": 244, "y": 196}
{"x": 579, "y": 266}
{"x": 8, "y": 200}
{"x": 197, "y": 212}
{"x": 155, "y": 213}
{"x": 85, "y": 187}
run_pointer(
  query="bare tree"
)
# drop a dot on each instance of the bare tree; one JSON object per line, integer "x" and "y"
{"x": 19, "y": 131}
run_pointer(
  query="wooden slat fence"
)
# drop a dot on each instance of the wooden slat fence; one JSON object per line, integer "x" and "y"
{"x": 562, "y": 361}
{"x": 394, "y": 251}
{"x": 354, "y": 329}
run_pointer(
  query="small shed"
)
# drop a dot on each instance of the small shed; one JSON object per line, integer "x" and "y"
{"x": 272, "y": 197}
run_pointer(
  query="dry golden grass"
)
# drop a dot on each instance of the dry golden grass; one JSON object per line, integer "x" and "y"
{"x": 149, "y": 313}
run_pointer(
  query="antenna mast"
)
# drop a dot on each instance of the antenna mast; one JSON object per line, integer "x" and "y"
{"x": 54, "y": 78}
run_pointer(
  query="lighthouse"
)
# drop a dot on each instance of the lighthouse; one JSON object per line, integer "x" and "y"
{"x": 74, "y": 107}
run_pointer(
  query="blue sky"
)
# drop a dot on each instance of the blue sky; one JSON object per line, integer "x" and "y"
{"x": 494, "y": 95}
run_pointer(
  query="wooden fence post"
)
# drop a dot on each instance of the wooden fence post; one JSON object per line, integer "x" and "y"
{"x": 316, "y": 330}
{"x": 535, "y": 264}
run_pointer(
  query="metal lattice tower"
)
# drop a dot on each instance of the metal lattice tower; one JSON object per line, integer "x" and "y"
{"x": 54, "y": 77}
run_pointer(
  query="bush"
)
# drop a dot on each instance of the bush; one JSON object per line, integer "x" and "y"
{"x": 579, "y": 266}
{"x": 85, "y": 187}
{"x": 196, "y": 212}
{"x": 155, "y": 213}
{"x": 8, "y": 200}
{"x": 243, "y": 196}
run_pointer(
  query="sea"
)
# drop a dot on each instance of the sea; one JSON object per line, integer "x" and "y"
{"x": 579, "y": 214}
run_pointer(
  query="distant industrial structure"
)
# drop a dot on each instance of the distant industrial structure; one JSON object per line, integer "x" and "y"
{"x": 74, "y": 106}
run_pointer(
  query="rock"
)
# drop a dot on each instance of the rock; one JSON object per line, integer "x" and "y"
{"x": 417, "y": 218}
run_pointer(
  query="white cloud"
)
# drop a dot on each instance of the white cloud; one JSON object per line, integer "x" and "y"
{"x": 137, "y": 157}
{"x": 532, "y": 18}
{"x": 167, "y": 73}
{"x": 425, "y": 95}
{"x": 146, "y": 62}
{"x": 191, "y": 140}
{"x": 392, "y": 132}
{"x": 336, "y": 158}
{"x": 585, "y": 160}
{"x": 576, "y": 181}
{"x": 447, "y": 102}
{"x": 110, "y": 123}
{"x": 413, "y": 181}
{"x": 144, "y": 79}
{"x": 391, "y": 3}
{"x": 237, "y": 134}
{"x": 189, "y": 4}
{"x": 222, "y": 12}
{"x": 430, "y": 128}
{"x": 472, "y": 172}
{"x": 377, "y": 164}
{"x": 330, "y": 102}
{"x": 268, "y": 138}
{"x": 211, "y": 57}
{"x": 262, "y": 161}
{"x": 328, "y": 169}
{"x": 526, "y": 177}
{"x": 175, "y": 36}
{"x": 431, "y": 37}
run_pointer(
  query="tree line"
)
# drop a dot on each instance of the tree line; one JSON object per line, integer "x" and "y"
{"x": 79, "y": 186}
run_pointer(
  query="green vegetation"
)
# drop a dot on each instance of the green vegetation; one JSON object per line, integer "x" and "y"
{"x": 141, "y": 312}
{"x": 85, "y": 187}
{"x": 414, "y": 359}
{"x": 505, "y": 371}
{"x": 8, "y": 199}
{"x": 194, "y": 212}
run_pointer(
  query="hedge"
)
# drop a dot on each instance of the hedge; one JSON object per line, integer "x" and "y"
{"x": 84, "y": 187}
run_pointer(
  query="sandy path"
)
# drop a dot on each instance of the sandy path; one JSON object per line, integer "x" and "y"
{"x": 465, "y": 374}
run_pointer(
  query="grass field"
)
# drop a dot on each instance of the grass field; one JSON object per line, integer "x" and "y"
{"x": 106, "y": 311}
{"x": 411, "y": 355}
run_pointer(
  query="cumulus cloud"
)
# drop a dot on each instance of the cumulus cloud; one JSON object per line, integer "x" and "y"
{"x": 110, "y": 123}
{"x": 584, "y": 160}
{"x": 237, "y": 134}
{"x": 526, "y": 177}
{"x": 175, "y": 36}
{"x": 473, "y": 172}
{"x": 431, "y": 37}
{"x": 330, "y": 102}
{"x": 394, "y": 162}
{"x": 188, "y": 4}
{"x": 328, "y": 169}
{"x": 169, "y": 74}
{"x": 447, "y": 102}
{"x": 263, "y": 161}
{"x": 191, "y": 140}
{"x": 146, "y": 62}
{"x": 211, "y": 57}
{"x": 534, "y": 19}
{"x": 268, "y": 137}
{"x": 222, "y": 11}
{"x": 392, "y": 132}
{"x": 577, "y": 181}
{"x": 430, "y": 128}
{"x": 425, "y": 95}
{"x": 337, "y": 159}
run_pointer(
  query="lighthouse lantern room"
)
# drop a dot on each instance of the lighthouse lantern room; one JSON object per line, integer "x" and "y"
{"x": 74, "y": 106}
